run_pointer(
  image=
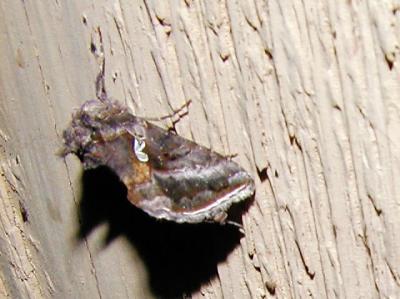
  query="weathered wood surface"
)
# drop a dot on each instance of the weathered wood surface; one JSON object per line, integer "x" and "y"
{"x": 307, "y": 94}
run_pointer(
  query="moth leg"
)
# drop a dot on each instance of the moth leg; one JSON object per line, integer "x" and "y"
{"x": 231, "y": 156}
{"x": 235, "y": 224}
{"x": 221, "y": 217}
{"x": 178, "y": 112}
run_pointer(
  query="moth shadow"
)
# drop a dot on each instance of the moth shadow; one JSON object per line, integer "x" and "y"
{"x": 179, "y": 257}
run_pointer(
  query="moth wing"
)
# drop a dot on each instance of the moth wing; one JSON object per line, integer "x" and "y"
{"x": 188, "y": 182}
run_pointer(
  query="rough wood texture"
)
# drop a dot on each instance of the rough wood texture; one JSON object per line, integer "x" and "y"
{"x": 307, "y": 94}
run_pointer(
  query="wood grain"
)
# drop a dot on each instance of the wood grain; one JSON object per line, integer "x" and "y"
{"x": 305, "y": 93}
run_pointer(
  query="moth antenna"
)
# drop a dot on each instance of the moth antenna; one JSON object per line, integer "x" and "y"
{"x": 101, "y": 92}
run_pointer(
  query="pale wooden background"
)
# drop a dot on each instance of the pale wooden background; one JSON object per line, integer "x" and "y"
{"x": 306, "y": 93}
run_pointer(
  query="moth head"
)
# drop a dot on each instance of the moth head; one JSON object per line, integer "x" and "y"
{"x": 94, "y": 121}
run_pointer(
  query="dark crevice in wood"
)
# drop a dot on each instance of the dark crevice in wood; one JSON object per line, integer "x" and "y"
{"x": 262, "y": 174}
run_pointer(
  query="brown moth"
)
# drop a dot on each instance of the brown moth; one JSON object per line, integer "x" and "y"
{"x": 167, "y": 176}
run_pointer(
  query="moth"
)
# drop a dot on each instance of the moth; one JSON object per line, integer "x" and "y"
{"x": 167, "y": 176}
